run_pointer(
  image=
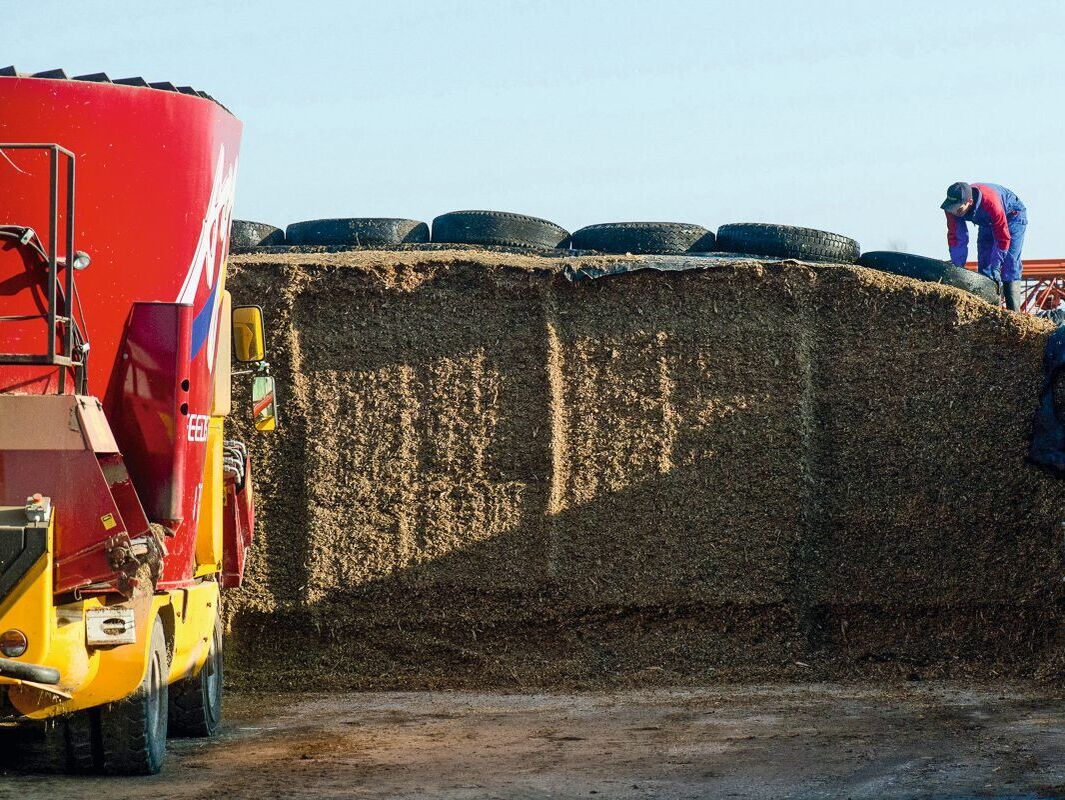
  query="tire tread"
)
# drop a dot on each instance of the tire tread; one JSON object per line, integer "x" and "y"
{"x": 662, "y": 238}
{"x": 787, "y": 241}
{"x": 931, "y": 270}
{"x": 123, "y": 743}
{"x": 357, "y": 232}
{"x": 189, "y": 704}
{"x": 498, "y": 229}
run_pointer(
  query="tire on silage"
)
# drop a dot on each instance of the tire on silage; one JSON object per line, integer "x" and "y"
{"x": 786, "y": 241}
{"x": 659, "y": 238}
{"x": 932, "y": 270}
{"x": 245, "y": 233}
{"x": 500, "y": 229}
{"x": 357, "y": 232}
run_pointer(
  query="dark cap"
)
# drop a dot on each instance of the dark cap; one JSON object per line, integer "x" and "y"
{"x": 958, "y": 194}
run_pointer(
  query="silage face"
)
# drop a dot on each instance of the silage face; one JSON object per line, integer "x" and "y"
{"x": 507, "y": 479}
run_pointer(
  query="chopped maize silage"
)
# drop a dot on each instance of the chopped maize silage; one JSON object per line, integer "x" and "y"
{"x": 489, "y": 476}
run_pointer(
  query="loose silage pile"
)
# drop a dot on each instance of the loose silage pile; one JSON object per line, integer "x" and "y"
{"x": 490, "y": 476}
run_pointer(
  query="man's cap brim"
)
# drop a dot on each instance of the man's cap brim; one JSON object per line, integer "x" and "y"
{"x": 952, "y": 205}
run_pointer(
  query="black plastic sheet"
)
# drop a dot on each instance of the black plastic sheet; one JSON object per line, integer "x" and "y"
{"x": 1048, "y": 433}
{"x": 624, "y": 264}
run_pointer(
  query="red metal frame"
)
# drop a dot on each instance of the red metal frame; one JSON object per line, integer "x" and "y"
{"x": 1044, "y": 283}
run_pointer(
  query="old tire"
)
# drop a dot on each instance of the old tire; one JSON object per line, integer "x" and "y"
{"x": 133, "y": 731}
{"x": 932, "y": 270}
{"x": 196, "y": 702}
{"x": 666, "y": 238}
{"x": 498, "y": 228}
{"x": 357, "y": 232}
{"x": 244, "y": 233}
{"x": 786, "y": 241}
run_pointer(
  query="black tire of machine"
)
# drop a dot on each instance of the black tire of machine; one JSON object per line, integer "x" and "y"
{"x": 357, "y": 232}
{"x": 498, "y": 228}
{"x": 659, "y": 238}
{"x": 786, "y": 241}
{"x": 133, "y": 731}
{"x": 244, "y": 233}
{"x": 932, "y": 270}
{"x": 196, "y": 702}
{"x": 63, "y": 744}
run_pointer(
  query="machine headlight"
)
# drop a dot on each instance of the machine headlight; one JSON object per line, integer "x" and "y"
{"x": 13, "y": 643}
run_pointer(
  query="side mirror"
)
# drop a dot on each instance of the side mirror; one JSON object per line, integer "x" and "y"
{"x": 249, "y": 340}
{"x": 264, "y": 403}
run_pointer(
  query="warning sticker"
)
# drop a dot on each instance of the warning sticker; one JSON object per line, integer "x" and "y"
{"x": 109, "y": 521}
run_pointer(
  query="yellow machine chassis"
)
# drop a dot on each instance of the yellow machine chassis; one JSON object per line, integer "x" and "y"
{"x": 94, "y": 676}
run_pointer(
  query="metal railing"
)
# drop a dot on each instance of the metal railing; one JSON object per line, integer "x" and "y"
{"x": 62, "y": 327}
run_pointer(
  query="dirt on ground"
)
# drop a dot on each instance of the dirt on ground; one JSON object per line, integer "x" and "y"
{"x": 489, "y": 476}
{"x": 797, "y": 741}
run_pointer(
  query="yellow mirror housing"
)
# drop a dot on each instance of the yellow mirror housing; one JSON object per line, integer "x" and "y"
{"x": 249, "y": 339}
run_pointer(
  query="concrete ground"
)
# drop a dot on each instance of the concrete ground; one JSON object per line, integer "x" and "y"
{"x": 912, "y": 741}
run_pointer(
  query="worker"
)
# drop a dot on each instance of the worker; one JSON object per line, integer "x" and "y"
{"x": 1001, "y": 217}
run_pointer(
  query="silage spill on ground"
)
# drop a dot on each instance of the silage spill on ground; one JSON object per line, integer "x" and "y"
{"x": 490, "y": 476}
{"x": 809, "y": 742}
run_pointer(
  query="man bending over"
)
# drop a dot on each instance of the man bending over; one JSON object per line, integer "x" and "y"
{"x": 1001, "y": 219}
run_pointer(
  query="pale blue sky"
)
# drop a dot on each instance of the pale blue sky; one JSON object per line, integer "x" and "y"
{"x": 848, "y": 116}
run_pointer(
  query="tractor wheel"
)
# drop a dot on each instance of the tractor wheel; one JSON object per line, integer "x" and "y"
{"x": 357, "y": 232}
{"x": 932, "y": 270}
{"x": 666, "y": 238}
{"x": 243, "y": 233}
{"x": 498, "y": 228}
{"x": 785, "y": 241}
{"x": 79, "y": 730}
{"x": 196, "y": 702}
{"x": 63, "y": 744}
{"x": 133, "y": 731}
{"x": 41, "y": 748}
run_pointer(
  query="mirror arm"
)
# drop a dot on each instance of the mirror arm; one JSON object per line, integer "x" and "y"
{"x": 261, "y": 367}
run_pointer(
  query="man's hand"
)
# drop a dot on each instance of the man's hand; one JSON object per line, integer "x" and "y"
{"x": 958, "y": 254}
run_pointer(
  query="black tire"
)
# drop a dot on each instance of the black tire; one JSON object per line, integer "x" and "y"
{"x": 79, "y": 730}
{"x": 41, "y": 748}
{"x": 498, "y": 228}
{"x": 786, "y": 241}
{"x": 243, "y": 233}
{"x": 63, "y": 744}
{"x": 196, "y": 702}
{"x": 665, "y": 238}
{"x": 357, "y": 232}
{"x": 133, "y": 731}
{"x": 932, "y": 270}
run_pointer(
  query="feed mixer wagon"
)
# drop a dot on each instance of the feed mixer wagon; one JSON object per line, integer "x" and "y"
{"x": 124, "y": 507}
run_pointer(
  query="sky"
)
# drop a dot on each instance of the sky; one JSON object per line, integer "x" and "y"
{"x": 852, "y": 117}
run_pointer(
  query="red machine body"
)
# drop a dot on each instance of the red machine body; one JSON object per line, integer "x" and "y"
{"x": 155, "y": 177}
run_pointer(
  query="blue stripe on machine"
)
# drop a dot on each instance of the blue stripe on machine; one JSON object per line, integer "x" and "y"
{"x": 201, "y": 325}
